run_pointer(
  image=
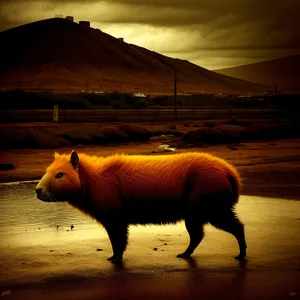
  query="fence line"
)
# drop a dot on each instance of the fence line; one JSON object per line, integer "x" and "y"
{"x": 139, "y": 115}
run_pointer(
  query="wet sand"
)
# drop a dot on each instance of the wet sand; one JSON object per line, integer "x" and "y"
{"x": 74, "y": 269}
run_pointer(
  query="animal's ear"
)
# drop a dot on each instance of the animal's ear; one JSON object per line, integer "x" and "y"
{"x": 74, "y": 159}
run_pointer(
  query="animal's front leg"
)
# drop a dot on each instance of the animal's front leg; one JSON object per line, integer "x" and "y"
{"x": 118, "y": 234}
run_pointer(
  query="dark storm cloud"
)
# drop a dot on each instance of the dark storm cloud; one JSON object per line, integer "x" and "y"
{"x": 229, "y": 29}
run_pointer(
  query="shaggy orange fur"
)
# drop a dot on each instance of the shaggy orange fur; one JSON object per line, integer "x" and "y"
{"x": 121, "y": 190}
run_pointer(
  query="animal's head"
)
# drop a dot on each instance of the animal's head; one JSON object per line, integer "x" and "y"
{"x": 61, "y": 181}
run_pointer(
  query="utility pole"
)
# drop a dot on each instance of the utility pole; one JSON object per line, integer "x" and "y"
{"x": 175, "y": 90}
{"x": 87, "y": 86}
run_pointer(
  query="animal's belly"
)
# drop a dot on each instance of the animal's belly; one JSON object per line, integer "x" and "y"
{"x": 157, "y": 212}
{"x": 154, "y": 201}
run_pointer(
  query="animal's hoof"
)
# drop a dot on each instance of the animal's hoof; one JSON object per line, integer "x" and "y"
{"x": 183, "y": 255}
{"x": 115, "y": 258}
{"x": 241, "y": 256}
{"x": 116, "y": 261}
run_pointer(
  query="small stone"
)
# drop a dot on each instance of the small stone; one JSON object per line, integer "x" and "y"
{"x": 155, "y": 249}
{"x": 51, "y": 250}
{"x": 232, "y": 147}
{"x": 6, "y": 293}
{"x": 6, "y": 167}
{"x": 99, "y": 249}
{"x": 165, "y": 244}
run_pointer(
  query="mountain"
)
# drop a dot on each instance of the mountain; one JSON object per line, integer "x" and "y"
{"x": 60, "y": 54}
{"x": 283, "y": 72}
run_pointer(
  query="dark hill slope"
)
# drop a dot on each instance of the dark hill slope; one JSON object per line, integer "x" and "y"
{"x": 61, "y": 54}
{"x": 285, "y": 72}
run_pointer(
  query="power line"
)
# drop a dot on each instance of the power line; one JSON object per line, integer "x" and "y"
{"x": 175, "y": 81}
{"x": 175, "y": 90}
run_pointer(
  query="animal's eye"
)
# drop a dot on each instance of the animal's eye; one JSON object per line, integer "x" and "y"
{"x": 59, "y": 175}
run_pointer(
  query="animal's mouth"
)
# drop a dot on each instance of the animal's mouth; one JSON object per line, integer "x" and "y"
{"x": 47, "y": 198}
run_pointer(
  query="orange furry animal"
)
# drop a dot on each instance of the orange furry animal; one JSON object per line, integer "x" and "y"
{"x": 133, "y": 189}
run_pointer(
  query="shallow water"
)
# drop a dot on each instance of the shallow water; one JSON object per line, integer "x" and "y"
{"x": 22, "y": 213}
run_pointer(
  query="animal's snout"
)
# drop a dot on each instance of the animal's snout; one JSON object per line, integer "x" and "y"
{"x": 38, "y": 190}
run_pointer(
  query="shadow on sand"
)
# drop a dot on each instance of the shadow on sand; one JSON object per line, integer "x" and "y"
{"x": 202, "y": 282}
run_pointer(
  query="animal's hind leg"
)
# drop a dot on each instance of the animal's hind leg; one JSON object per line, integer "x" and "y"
{"x": 118, "y": 235}
{"x": 195, "y": 229}
{"x": 228, "y": 221}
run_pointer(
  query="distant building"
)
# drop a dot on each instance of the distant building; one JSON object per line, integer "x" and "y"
{"x": 139, "y": 95}
{"x": 70, "y": 18}
{"x": 85, "y": 24}
{"x": 220, "y": 95}
{"x": 121, "y": 39}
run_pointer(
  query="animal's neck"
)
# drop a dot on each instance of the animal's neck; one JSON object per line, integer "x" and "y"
{"x": 91, "y": 164}
{"x": 83, "y": 201}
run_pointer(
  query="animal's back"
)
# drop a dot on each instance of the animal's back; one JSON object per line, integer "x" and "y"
{"x": 168, "y": 176}
{"x": 158, "y": 189}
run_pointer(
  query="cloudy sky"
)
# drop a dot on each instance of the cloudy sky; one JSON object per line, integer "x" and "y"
{"x": 211, "y": 33}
